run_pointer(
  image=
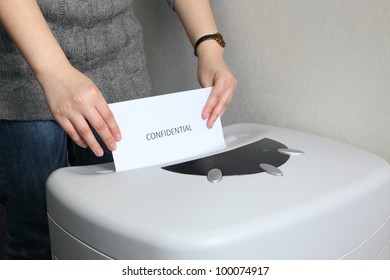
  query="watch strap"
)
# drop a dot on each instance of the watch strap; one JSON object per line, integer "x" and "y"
{"x": 217, "y": 37}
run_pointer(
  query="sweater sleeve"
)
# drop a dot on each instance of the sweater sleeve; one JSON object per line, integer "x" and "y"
{"x": 171, "y": 3}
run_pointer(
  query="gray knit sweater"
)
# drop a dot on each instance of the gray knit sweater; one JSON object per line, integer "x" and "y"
{"x": 101, "y": 38}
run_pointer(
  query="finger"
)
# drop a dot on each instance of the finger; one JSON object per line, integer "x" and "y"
{"x": 219, "y": 93}
{"x": 212, "y": 101}
{"x": 85, "y": 132}
{"x": 102, "y": 120}
{"x": 69, "y": 129}
{"x": 101, "y": 128}
{"x": 220, "y": 108}
{"x": 218, "y": 111}
{"x": 108, "y": 117}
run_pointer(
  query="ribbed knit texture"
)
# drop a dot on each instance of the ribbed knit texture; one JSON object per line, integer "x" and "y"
{"x": 101, "y": 38}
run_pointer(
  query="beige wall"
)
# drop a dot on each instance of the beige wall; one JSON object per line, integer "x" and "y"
{"x": 311, "y": 65}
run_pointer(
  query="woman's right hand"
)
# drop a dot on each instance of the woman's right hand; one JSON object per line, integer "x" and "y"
{"x": 76, "y": 102}
{"x": 73, "y": 98}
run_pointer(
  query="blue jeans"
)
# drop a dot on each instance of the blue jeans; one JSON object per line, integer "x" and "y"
{"x": 29, "y": 152}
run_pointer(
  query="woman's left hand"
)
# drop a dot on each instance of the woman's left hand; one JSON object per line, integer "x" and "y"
{"x": 213, "y": 72}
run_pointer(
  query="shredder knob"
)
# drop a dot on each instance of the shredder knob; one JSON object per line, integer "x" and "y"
{"x": 290, "y": 152}
{"x": 270, "y": 169}
{"x": 214, "y": 175}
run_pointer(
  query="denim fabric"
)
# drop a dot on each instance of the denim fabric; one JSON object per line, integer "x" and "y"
{"x": 29, "y": 152}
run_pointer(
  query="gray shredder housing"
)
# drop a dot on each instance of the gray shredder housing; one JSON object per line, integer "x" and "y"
{"x": 272, "y": 193}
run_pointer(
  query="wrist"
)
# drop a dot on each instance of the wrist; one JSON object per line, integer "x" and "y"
{"x": 215, "y": 38}
{"x": 209, "y": 49}
{"x": 54, "y": 68}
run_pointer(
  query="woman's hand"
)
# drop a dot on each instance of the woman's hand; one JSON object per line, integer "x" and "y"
{"x": 76, "y": 102}
{"x": 73, "y": 98}
{"x": 198, "y": 20}
{"x": 213, "y": 72}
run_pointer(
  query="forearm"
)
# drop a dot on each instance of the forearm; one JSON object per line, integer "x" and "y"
{"x": 198, "y": 20}
{"x": 74, "y": 99}
{"x": 25, "y": 24}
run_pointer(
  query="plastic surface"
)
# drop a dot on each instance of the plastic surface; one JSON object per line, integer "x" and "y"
{"x": 332, "y": 202}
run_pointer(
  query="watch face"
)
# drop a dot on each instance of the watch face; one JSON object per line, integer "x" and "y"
{"x": 220, "y": 40}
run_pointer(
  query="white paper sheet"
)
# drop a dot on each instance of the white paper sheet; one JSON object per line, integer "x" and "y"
{"x": 165, "y": 128}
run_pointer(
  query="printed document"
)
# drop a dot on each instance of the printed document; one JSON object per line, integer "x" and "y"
{"x": 165, "y": 128}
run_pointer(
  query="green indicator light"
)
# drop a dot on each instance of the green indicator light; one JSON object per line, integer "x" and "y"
{"x": 265, "y": 150}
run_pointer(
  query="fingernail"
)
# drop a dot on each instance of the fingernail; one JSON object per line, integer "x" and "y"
{"x": 99, "y": 152}
{"x": 112, "y": 147}
{"x": 210, "y": 123}
{"x": 118, "y": 137}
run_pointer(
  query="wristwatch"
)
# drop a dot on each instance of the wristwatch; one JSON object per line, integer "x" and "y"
{"x": 217, "y": 37}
